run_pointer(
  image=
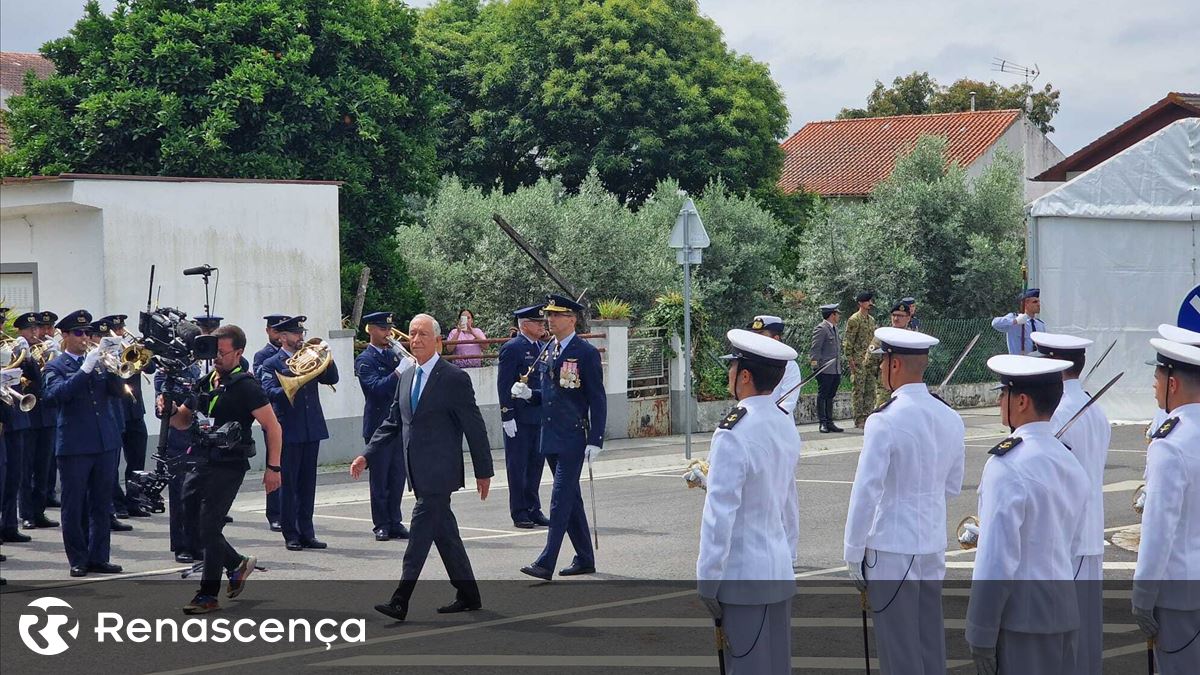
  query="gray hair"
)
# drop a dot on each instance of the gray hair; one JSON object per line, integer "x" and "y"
{"x": 437, "y": 327}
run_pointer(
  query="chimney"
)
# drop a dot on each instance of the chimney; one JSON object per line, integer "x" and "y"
{"x": 972, "y": 101}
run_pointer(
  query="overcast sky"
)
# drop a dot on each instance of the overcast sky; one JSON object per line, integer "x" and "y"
{"x": 1109, "y": 61}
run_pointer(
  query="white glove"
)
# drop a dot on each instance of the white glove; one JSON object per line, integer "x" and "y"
{"x": 1145, "y": 620}
{"x": 1022, "y": 319}
{"x": 22, "y": 344}
{"x": 856, "y": 575}
{"x": 110, "y": 343}
{"x": 405, "y": 364}
{"x": 713, "y": 607}
{"x": 90, "y": 361}
{"x": 510, "y": 428}
{"x": 521, "y": 390}
{"x": 591, "y": 452}
{"x": 985, "y": 660}
{"x": 10, "y": 377}
{"x": 970, "y": 535}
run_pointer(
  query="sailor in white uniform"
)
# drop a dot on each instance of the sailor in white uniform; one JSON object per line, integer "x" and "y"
{"x": 1023, "y": 615}
{"x": 1182, "y": 336}
{"x": 773, "y": 327}
{"x": 895, "y": 541}
{"x": 1166, "y": 582}
{"x": 751, "y": 513}
{"x": 1088, "y": 439}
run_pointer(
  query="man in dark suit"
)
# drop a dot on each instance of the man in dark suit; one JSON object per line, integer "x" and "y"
{"x": 433, "y": 409}
{"x": 378, "y": 369}
{"x": 522, "y": 420}
{"x": 570, "y": 389}
{"x": 260, "y": 357}
{"x": 303, "y": 423}
{"x": 826, "y": 346}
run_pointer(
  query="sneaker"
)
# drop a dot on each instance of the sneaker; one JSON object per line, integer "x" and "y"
{"x": 238, "y": 577}
{"x": 201, "y": 604}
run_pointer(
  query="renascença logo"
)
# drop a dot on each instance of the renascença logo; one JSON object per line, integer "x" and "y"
{"x": 51, "y": 634}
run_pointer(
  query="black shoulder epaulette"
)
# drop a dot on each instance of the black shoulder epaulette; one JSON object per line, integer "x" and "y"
{"x": 885, "y": 404}
{"x": 1005, "y": 445}
{"x": 941, "y": 399}
{"x": 732, "y": 418}
{"x": 1166, "y": 428}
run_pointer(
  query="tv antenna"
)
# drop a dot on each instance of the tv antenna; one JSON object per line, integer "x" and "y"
{"x": 1004, "y": 66}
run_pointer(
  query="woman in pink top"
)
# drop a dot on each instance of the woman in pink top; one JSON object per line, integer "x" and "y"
{"x": 466, "y": 330}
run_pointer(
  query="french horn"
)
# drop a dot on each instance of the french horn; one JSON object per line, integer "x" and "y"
{"x": 313, "y": 357}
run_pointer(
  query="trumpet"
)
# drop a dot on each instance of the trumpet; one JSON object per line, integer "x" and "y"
{"x": 110, "y": 360}
{"x": 967, "y": 532}
{"x": 10, "y": 396}
{"x": 395, "y": 336}
{"x": 313, "y": 357}
{"x": 134, "y": 357}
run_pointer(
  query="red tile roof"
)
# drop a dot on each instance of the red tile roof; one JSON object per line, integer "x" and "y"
{"x": 13, "y": 66}
{"x": 1174, "y": 106}
{"x": 850, "y": 157}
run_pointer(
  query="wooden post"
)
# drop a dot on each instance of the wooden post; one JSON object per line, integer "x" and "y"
{"x": 360, "y": 296}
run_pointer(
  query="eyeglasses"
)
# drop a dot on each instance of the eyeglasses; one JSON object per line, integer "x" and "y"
{"x": 79, "y": 332}
{"x": 224, "y": 354}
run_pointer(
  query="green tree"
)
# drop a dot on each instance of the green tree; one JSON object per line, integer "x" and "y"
{"x": 637, "y": 89}
{"x": 919, "y": 94}
{"x": 314, "y": 89}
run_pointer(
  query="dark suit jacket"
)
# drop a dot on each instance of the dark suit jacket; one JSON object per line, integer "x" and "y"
{"x": 433, "y": 436}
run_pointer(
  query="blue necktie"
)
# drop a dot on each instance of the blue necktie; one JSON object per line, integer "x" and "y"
{"x": 416, "y": 391}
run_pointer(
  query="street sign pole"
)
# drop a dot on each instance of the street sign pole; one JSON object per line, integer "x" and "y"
{"x": 689, "y": 239}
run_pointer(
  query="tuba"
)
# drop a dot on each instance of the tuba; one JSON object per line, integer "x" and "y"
{"x": 313, "y": 357}
{"x": 967, "y": 533}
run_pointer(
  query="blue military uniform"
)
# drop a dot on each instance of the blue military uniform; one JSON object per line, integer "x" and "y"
{"x": 260, "y": 357}
{"x": 522, "y": 460}
{"x": 38, "y": 483}
{"x": 375, "y": 369}
{"x": 134, "y": 435}
{"x": 303, "y": 423}
{"x": 574, "y": 409}
{"x": 20, "y": 438}
{"x": 86, "y": 448}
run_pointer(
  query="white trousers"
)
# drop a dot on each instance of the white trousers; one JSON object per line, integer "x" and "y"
{"x": 1089, "y": 641}
{"x": 905, "y": 593}
{"x": 759, "y": 638}
{"x": 1035, "y": 653}
{"x": 1175, "y": 628}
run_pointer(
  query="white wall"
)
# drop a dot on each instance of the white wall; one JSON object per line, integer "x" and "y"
{"x": 1033, "y": 148}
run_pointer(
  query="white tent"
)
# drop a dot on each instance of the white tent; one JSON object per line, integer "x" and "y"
{"x": 1115, "y": 253}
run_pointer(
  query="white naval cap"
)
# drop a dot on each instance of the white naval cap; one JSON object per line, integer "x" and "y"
{"x": 751, "y": 346}
{"x": 1180, "y": 335}
{"x": 1173, "y": 354}
{"x": 1056, "y": 344}
{"x": 901, "y": 341}
{"x": 1027, "y": 370}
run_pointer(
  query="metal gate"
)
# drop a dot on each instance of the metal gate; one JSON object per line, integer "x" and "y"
{"x": 649, "y": 383}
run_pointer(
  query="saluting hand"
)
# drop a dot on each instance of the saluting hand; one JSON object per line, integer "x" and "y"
{"x": 357, "y": 466}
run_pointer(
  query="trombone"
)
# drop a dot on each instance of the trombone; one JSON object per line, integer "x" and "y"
{"x": 395, "y": 338}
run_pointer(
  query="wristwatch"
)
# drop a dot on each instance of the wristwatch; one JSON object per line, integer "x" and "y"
{"x": 274, "y": 468}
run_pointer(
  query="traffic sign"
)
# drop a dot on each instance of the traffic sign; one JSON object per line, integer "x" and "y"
{"x": 1189, "y": 311}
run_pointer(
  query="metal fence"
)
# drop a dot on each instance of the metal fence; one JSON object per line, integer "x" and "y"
{"x": 648, "y": 364}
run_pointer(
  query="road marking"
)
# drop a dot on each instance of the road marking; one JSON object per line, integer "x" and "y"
{"x": 1108, "y": 565}
{"x": 1123, "y": 486}
{"x": 585, "y": 661}
{"x": 833, "y": 482}
{"x": 797, "y": 622}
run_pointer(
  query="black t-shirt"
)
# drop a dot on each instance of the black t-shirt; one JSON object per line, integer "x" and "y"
{"x": 235, "y": 400}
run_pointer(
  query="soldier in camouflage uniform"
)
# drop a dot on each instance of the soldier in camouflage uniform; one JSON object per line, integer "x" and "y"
{"x": 901, "y": 317}
{"x": 860, "y": 328}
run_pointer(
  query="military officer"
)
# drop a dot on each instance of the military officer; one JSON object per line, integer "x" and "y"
{"x": 378, "y": 369}
{"x": 521, "y": 419}
{"x": 1175, "y": 334}
{"x": 303, "y": 423}
{"x": 859, "y": 329}
{"x": 1166, "y": 592}
{"x": 38, "y": 483}
{"x": 910, "y": 303}
{"x": 1088, "y": 439}
{"x": 1018, "y": 328}
{"x": 19, "y": 434}
{"x": 260, "y": 357}
{"x": 49, "y": 413}
{"x": 900, "y": 318}
{"x": 895, "y": 541}
{"x": 773, "y": 327}
{"x": 98, "y": 330}
{"x": 751, "y": 521}
{"x": 1023, "y": 615}
{"x": 826, "y": 346}
{"x": 135, "y": 435}
{"x": 87, "y": 444}
{"x": 574, "y": 409}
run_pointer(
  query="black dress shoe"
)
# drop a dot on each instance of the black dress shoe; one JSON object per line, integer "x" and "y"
{"x": 53, "y": 503}
{"x": 43, "y": 521}
{"x": 117, "y": 526}
{"x": 3, "y": 558}
{"x": 28, "y": 524}
{"x": 381, "y": 535}
{"x": 576, "y": 569}
{"x": 184, "y": 557}
{"x": 540, "y": 519}
{"x": 524, "y": 524}
{"x": 293, "y": 545}
{"x": 833, "y": 428}
{"x": 14, "y": 537}
{"x": 135, "y": 512}
{"x": 276, "y": 527}
{"x": 393, "y": 610}
{"x": 459, "y": 606}
{"x": 537, "y": 571}
{"x": 78, "y": 571}
{"x": 399, "y": 532}
{"x": 228, "y": 519}
{"x": 104, "y": 568}
{"x": 122, "y": 515}
{"x": 313, "y": 543}
{"x": 823, "y": 429}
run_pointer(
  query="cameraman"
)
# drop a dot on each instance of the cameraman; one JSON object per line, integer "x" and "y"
{"x": 228, "y": 394}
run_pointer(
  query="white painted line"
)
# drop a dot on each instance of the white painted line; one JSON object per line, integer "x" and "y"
{"x": 1108, "y": 565}
{"x": 797, "y": 622}
{"x": 832, "y": 482}
{"x": 1123, "y": 486}
{"x": 633, "y": 661}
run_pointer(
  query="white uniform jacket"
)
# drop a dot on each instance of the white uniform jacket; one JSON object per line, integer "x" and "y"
{"x": 912, "y": 459}
{"x": 1031, "y": 502}
{"x": 1170, "y": 548}
{"x": 1087, "y": 439}
{"x": 751, "y": 510}
{"x": 791, "y": 378}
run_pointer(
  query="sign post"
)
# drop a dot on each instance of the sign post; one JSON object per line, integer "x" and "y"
{"x": 689, "y": 239}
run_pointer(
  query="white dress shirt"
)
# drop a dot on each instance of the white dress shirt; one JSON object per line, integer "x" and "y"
{"x": 912, "y": 459}
{"x": 791, "y": 378}
{"x": 751, "y": 510}
{"x": 1087, "y": 439}
{"x": 1170, "y": 548}
{"x": 427, "y": 369}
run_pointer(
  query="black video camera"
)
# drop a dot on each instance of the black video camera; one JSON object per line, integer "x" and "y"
{"x": 169, "y": 335}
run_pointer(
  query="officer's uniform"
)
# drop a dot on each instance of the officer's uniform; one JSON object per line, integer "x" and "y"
{"x": 1088, "y": 439}
{"x": 1018, "y": 335}
{"x": 182, "y": 520}
{"x": 49, "y": 427}
{"x": 522, "y": 460}
{"x": 751, "y": 521}
{"x": 37, "y": 485}
{"x": 912, "y": 460}
{"x": 1031, "y": 503}
{"x": 859, "y": 329}
{"x": 1182, "y": 336}
{"x": 791, "y": 371}
{"x": 86, "y": 449}
{"x": 21, "y": 439}
{"x": 826, "y": 346}
{"x": 303, "y": 423}
{"x": 134, "y": 435}
{"x": 1166, "y": 581}
{"x": 376, "y": 370}
{"x": 260, "y": 357}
